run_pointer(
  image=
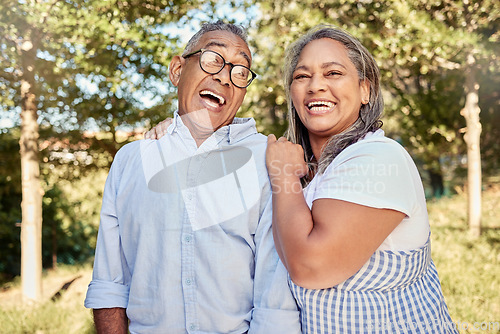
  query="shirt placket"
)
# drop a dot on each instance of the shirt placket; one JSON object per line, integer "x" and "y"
{"x": 188, "y": 244}
{"x": 188, "y": 240}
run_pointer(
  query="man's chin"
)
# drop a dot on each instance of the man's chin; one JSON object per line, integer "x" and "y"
{"x": 200, "y": 121}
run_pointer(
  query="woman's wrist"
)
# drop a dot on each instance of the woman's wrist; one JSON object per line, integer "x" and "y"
{"x": 286, "y": 184}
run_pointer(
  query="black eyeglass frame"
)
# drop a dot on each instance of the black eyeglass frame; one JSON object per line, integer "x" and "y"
{"x": 254, "y": 75}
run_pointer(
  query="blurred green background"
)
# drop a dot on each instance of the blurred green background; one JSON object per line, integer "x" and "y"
{"x": 99, "y": 71}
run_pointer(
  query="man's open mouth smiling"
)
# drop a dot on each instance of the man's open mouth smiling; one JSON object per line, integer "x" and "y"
{"x": 212, "y": 99}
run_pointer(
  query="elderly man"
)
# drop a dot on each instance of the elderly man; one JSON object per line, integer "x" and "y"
{"x": 185, "y": 242}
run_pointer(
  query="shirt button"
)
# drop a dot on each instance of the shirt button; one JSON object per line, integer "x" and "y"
{"x": 187, "y": 239}
{"x": 188, "y": 281}
{"x": 192, "y": 327}
{"x": 190, "y": 196}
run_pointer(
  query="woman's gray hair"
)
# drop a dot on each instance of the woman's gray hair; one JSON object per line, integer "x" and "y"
{"x": 369, "y": 114}
{"x": 215, "y": 26}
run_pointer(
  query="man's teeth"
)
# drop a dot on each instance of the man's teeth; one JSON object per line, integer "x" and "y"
{"x": 220, "y": 98}
{"x": 320, "y": 105}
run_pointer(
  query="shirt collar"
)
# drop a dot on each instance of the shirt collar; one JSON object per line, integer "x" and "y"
{"x": 175, "y": 123}
{"x": 239, "y": 129}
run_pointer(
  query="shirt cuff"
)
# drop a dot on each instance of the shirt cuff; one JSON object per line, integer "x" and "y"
{"x": 104, "y": 294}
{"x": 265, "y": 321}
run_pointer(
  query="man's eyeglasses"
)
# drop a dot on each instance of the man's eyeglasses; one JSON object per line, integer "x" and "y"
{"x": 212, "y": 63}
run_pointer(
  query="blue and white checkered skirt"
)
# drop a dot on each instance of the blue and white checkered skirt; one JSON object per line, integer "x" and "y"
{"x": 394, "y": 292}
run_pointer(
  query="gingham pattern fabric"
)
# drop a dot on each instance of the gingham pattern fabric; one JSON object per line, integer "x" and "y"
{"x": 394, "y": 292}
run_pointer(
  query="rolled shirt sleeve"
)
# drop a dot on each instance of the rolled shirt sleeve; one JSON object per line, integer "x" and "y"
{"x": 110, "y": 280}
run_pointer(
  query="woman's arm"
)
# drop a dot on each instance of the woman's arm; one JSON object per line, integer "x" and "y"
{"x": 343, "y": 238}
{"x": 324, "y": 246}
{"x": 285, "y": 166}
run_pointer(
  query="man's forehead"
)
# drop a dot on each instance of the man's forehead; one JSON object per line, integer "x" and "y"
{"x": 226, "y": 39}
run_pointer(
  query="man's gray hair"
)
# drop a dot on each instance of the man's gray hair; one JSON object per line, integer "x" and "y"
{"x": 369, "y": 114}
{"x": 215, "y": 26}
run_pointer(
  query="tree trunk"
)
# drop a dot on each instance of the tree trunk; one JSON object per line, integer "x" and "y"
{"x": 472, "y": 136}
{"x": 31, "y": 206}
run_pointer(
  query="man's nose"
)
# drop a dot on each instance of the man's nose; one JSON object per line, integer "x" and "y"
{"x": 224, "y": 76}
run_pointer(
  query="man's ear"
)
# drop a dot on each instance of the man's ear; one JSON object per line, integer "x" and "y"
{"x": 175, "y": 69}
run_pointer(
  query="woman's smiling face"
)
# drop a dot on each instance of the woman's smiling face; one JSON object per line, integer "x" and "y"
{"x": 326, "y": 90}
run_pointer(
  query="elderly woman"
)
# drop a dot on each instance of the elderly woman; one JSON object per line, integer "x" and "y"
{"x": 355, "y": 241}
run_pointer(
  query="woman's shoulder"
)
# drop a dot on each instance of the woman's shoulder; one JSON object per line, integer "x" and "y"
{"x": 377, "y": 139}
{"x": 375, "y": 145}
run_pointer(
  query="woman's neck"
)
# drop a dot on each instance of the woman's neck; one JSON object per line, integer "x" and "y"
{"x": 317, "y": 144}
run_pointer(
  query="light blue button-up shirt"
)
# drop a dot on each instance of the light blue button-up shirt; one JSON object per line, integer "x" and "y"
{"x": 185, "y": 241}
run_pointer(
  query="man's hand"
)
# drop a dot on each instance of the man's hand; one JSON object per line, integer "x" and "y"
{"x": 159, "y": 130}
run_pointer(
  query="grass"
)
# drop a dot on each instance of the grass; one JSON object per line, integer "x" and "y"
{"x": 63, "y": 316}
{"x": 469, "y": 269}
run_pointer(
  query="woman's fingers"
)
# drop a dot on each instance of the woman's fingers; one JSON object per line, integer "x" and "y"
{"x": 272, "y": 139}
{"x": 151, "y": 134}
{"x": 162, "y": 127}
{"x": 159, "y": 130}
{"x": 284, "y": 158}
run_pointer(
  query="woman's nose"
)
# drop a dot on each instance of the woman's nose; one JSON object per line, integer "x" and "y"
{"x": 317, "y": 83}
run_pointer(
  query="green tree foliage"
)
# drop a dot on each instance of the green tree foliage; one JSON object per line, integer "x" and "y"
{"x": 99, "y": 64}
{"x": 457, "y": 36}
{"x": 421, "y": 48}
{"x": 67, "y": 238}
{"x": 10, "y": 199}
{"x": 65, "y": 221}
{"x": 442, "y": 35}
{"x": 79, "y": 65}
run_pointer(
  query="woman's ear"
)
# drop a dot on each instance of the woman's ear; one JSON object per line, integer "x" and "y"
{"x": 365, "y": 91}
{"x": 175, "y": 69}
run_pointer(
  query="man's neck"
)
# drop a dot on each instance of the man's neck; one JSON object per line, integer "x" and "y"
{"x": 200, "y": 128}
{"x": 199, "y": 140}
{"x": 198, "y": 133}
